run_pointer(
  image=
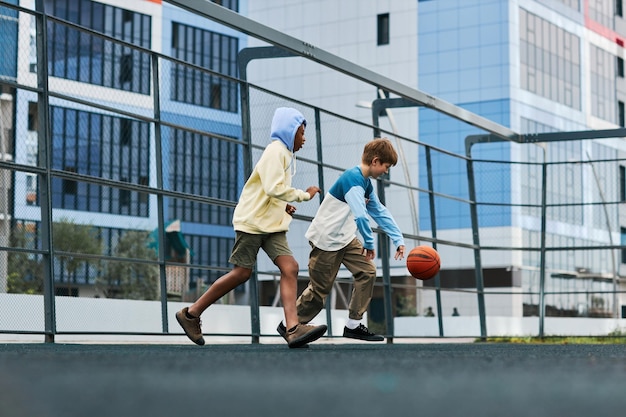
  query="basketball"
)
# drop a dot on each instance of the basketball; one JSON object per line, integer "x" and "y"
{"x": 423, "y": 262}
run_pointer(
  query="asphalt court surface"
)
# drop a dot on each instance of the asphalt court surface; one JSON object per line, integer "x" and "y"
{"x": 360, "y": 379}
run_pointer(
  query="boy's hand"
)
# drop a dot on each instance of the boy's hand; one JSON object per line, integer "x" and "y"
{"x": 399, "y": 253}
{"x": 312, "y": 190}
{"x": 368, "y": 253}
{"x": 290, "y": 209}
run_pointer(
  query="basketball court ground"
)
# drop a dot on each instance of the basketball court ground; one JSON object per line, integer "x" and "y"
{"x": 330, "y": 378}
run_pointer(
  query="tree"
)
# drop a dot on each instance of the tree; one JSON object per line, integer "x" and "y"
{"x": 131, "y": 280}
{"x": 76, "y": 239}
{"x": 25, "y": 271}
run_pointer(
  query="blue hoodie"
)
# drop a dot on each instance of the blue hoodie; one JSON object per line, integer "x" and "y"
{"x": 285, "y": 124}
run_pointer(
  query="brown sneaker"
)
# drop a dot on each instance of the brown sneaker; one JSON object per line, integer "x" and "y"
{"x": 190, "y": 326}
{"x": 303, "y": 334}
{"x": 282, "y": 330}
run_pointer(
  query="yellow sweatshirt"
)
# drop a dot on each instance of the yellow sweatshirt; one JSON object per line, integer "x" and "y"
{"x": 264, "y": 198}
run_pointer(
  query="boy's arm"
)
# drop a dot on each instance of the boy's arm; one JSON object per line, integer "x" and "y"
{"x": 355, "y": 198}
{"x": 385, "y": 220}
{"x": 272, "y": 175}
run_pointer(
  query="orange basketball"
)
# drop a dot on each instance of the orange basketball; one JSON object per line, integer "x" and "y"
{"x": 423, "y": 262}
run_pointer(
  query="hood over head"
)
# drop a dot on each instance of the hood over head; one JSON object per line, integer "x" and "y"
{"x": 285, "y": 124}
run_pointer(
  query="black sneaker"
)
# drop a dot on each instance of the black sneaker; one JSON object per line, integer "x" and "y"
{"x": 282, "y": 330}
{"x": 362, "y": 333}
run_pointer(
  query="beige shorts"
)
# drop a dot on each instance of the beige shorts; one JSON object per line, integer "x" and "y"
{"x": 247, "y": 245}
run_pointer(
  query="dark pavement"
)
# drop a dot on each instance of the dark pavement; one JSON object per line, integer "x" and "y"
{"x": 66, "y": 380}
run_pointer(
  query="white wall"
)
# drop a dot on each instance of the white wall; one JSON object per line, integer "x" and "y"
{"x": 505, "y": 326}
{"x": 25, "y": 313}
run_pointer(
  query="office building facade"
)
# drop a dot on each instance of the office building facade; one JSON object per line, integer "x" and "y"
{"x": 536, "y": 66}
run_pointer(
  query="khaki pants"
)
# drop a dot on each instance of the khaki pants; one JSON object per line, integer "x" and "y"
{"x": 323, "y": 269}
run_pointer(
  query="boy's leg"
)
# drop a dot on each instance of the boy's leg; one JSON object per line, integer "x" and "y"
{"x": 288, "y": 287}
{"x": 226, "y": 283}
{"x": 323, "y": 268}
{"x": 243, "y": 255}
{"x": 296, "y": 334}
{"x": 364, "y": 273}
{"x": 189, "y": 317}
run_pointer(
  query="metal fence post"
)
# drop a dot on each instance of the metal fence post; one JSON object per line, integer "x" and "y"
{"x": 542, "y": 261}
{"x": 433, "y": 227}
{"x": 45, "y": 160}
{"x": 158, "y": 150}
{"x": 245, "y": 56}
{"x": 480, "y": 289}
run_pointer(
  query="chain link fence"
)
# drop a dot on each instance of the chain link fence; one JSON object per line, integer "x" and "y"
{"x": 120, "y": 168}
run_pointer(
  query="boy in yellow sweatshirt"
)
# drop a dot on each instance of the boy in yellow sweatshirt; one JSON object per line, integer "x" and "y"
{"x": 261, "y": 220}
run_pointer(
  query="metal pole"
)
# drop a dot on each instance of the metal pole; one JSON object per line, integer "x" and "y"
{"x": 246, "y": 137}
{"x": 45, "y": 160}
{"x": 542, "y": 261}
{"x": 608, "y": 226}
{"x": 320, "y": 181}
{"x": 384, "y": 244}
{"x": 385, "y": 103}
{"x": 433, "y": 226}
{"x": 378, "y": 106}
{"x": 478, "y": 270}
{"x": 158, "y": 157}
{"x": 245, "y": 56}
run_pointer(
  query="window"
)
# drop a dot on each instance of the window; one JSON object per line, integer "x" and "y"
{"x": 602, "y": 11}
{"x": 619, "y": 8}
{"x": 31, "y": 189}
{"x": 126, "y": 132}
{"x": 216, "y": 96}
{"x": 620, "y": 116}
{"x": 202, "y": 165}
{"x": 216, "y": 53}
{"x": 143, "y": 197}
{"x": 574, "y": 4}
{"x": 550, "y": 60}
{"x": 620, "y": 67}
{"x": 602, "y": 65}
{"x": 208, "y": 250}
{"x": 383, "y": 29}
{"x": 33, "y": 116}
{"x": 124, "y": 195}
{"x": 622, "y": 183}
{"x": 229, "y": 4}
{"x": 79, "y": 56}
{"x": 126, "y": 69}
{"x": 104, "y": 146}
{"x": 69, "y": 186}
{"x": 623, "y": 243}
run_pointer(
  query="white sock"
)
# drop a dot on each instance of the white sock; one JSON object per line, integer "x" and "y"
{"x": 352, "y": 324}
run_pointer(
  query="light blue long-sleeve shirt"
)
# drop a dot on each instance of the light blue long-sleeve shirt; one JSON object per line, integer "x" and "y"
{"x": 345, "y": 210}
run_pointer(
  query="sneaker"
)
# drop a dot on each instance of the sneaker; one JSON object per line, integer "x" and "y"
{"x": 362, "y": 333}
{"x": 303, "y": 334}
{"x": 282, "y": 330}
{"x": 190, "y": 326}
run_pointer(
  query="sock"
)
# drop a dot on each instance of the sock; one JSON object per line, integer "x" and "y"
{"x": 189, "y": 316}
{"x": 352, "y": 324}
